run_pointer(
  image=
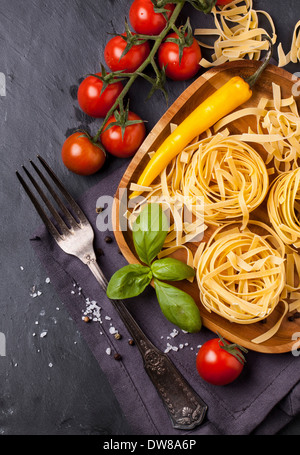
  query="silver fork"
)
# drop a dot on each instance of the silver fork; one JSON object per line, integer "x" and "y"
{"x": 74, "y": 234}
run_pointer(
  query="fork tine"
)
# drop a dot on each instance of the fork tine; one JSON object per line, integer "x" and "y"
{"x": 49, "y": 225}
{"x": 55, "y": 196}
{"x": 75, "y": 207}
{"x": 62, "y": 225}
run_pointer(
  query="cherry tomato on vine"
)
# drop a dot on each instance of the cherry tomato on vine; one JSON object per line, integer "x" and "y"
{"x": 133, "y": 137}
{"x": 145, "y": 21}
{"x": 131, "y": 61}
{"x": 219, "y": 362}
{"x": 223, "y": 2}
{"x": 82, "y": 156}
{"x": 90, "y": 100}
{"x": 168, "y": 56}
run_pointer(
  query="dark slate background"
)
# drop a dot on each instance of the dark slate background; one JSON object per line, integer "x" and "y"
{"x": 45, "y": 48}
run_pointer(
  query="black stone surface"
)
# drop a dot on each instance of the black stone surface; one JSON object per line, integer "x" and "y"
{"x": 46, "y": 47}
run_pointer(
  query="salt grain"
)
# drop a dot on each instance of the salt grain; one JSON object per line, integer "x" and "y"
{"x": 43, "y": 334}
{"x": 108, "y": 351}
{"x": 112, "y": 330}
{"x": 50, "y": 365}
{"x": 108, "y": 318}
{"x": 92, "y": 310}
{"x": 170, "y": 348}
{"x": 47, "y": 280}
{"x": 21, "y": 267}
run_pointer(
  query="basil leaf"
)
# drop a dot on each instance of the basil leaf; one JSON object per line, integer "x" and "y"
{"x": 178, "y": 307}
{"x": 129, "y": 281}
{"x": 171, "y": 269}
{"x": 149, "y": 232}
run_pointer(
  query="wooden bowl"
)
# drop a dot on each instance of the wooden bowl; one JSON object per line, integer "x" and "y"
{"x": 199, "y": 90}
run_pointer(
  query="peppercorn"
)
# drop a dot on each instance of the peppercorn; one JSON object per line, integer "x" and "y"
{"x": 117, "y": 356}
{"x": 291, "y": 318}
{"x": 118, "y": 336}
{"x": 108, "y": 239}
{"x": 86, "y": 319}
{"x": 99, "y": 252}
{"x": 99, "y": 209}
{"x": 131, "y": 342}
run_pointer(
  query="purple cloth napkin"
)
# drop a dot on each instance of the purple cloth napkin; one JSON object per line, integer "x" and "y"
{"x": 261, "y": 401}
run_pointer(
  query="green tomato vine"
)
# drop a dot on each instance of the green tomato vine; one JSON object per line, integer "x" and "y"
{"x": 158, "y": 81}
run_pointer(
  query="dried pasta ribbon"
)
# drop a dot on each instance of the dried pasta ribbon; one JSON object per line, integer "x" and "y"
{"x": 284, "y": 208}
{"x": 241, "y": 275}
{"x": 240, "y": 36}
{"x": 294, "y": 53}
{"x": 273, "y": 330}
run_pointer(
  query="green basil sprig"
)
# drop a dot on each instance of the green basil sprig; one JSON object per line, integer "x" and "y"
{"x": 149, "y": 233}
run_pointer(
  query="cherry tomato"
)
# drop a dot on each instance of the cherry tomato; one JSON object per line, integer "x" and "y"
{"x": 144, "y": 20}
{"x": 132, "y": 139}
{"x": 89, "y": 98}
{"x": 223, "y": 2}
{"x": 168, "y": 56}
{"x": 216, "y": 364}
{"x": 131, "y": 61}
{"x": 81, "y": 155}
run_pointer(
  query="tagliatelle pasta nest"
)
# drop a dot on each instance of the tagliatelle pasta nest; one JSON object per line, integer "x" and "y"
{"x": 239, "y": 33}
{"x": 228, "y": 175}
{"x": 241, "y": 274}
{"x": 284, "y": 207}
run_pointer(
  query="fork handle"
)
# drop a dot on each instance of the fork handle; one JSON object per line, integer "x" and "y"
{"x": 184, "y": 406}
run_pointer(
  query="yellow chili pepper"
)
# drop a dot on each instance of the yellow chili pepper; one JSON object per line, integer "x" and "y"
{"x": 227, "y": 98}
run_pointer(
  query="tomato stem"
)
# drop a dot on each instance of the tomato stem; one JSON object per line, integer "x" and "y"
{"x": 233, "y": 349}
{"x": 149, "y": 60}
